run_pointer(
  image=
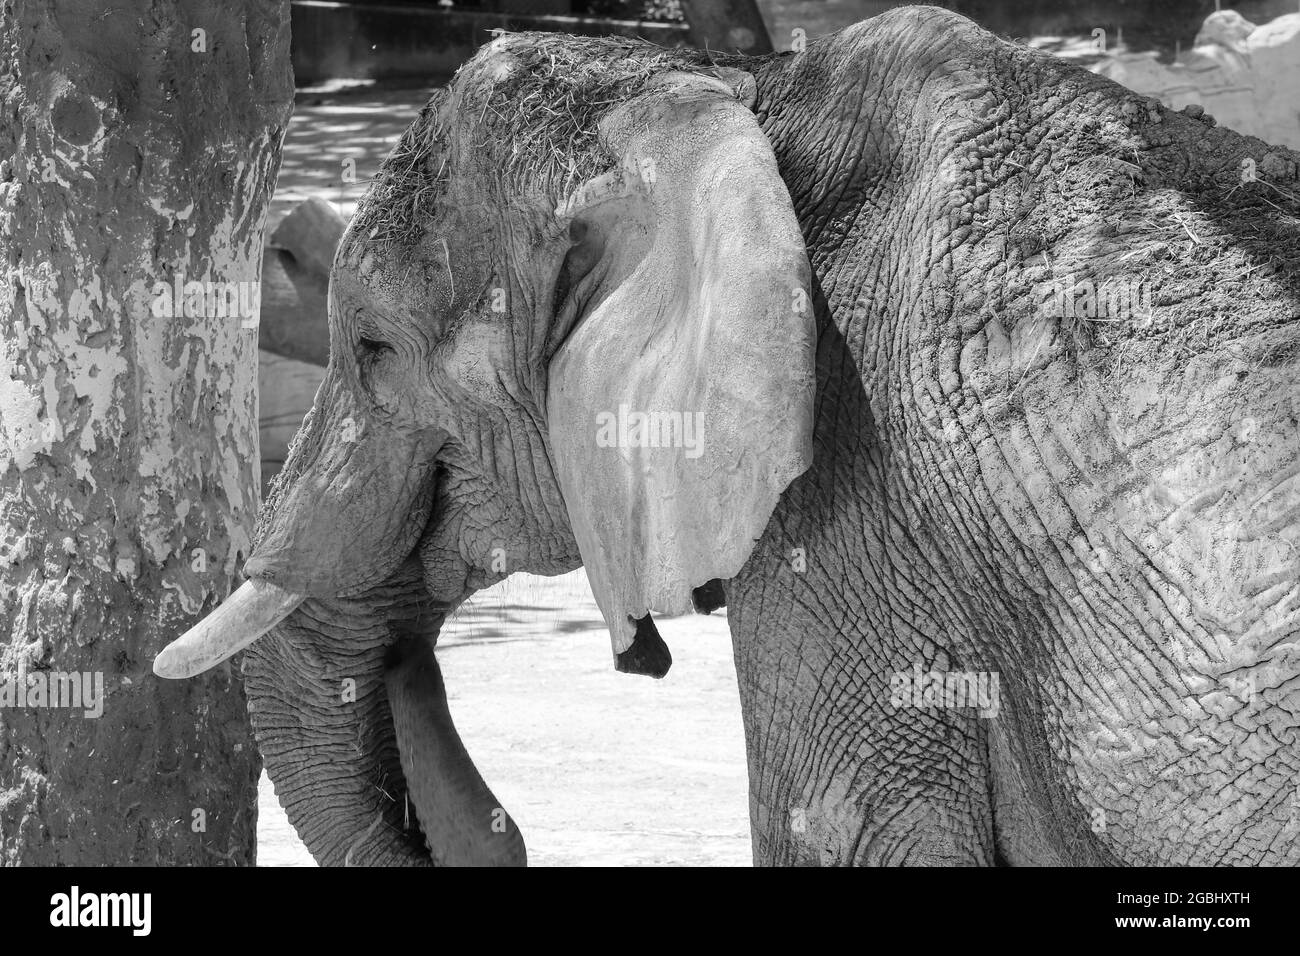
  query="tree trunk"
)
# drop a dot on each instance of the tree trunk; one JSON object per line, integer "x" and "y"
{"x": 138, "y": 150}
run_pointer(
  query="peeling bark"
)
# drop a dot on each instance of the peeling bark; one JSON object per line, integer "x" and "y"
{"x": 138, "y": 150}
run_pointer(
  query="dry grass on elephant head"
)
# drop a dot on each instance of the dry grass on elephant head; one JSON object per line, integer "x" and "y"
{"x": 537, "y": 99}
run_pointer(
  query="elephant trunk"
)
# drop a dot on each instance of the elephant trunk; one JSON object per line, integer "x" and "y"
{"x": 321, "y": 715}
{"x": 350, "y": 502}
{"x": 463, "y": 822}
{"x": 344, "y": 695}
{"x": 349, "y": 710}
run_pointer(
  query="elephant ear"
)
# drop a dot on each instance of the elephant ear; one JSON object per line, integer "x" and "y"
{"x": 680, "y": 405}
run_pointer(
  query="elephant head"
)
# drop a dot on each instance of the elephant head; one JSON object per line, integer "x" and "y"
{"x": 1040, "y": 332}
{"x": 592, "y": 344}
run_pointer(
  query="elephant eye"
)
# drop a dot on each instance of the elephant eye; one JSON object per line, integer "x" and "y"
{"x": 370, "y": 360}
{"x": 371, "y": 348}
{"x": 369, "y": 352}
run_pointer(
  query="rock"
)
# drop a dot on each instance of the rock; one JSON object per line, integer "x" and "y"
{"x": 293, "y": 336}
{"x": 311, "y": 233}
{"x": 1248, "y": 77}
{"x": 295, "y": 279}
{"x": 294, "y": 319}
{"x": 288, "y": 388}
{"x": 1225, "y": 27}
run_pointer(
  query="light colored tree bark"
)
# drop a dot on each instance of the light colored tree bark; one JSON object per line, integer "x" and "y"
{"x": 138, "y": 149}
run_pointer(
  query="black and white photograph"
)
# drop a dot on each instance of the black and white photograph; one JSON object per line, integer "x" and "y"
{"x": 651, "y": 434}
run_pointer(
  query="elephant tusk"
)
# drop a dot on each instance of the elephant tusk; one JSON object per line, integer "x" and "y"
{"x": 254, "y": 608}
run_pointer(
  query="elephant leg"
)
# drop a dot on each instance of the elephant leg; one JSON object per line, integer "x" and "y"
{"x": 838, "y": 774}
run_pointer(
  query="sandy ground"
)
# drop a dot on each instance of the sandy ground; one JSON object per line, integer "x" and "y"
{"x": 597, "y": 767}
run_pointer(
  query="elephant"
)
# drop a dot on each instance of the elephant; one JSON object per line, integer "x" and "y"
{"x": 964, "y": 377}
